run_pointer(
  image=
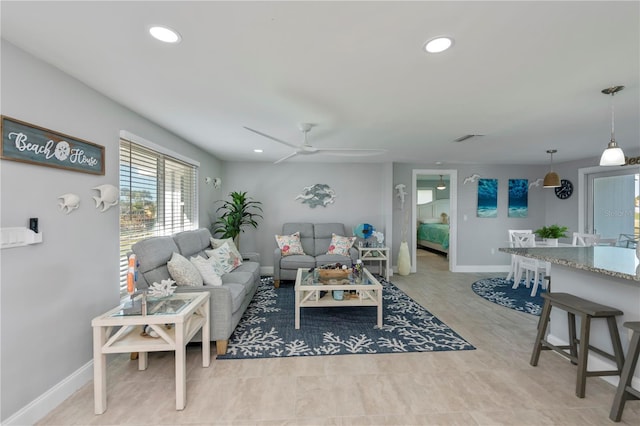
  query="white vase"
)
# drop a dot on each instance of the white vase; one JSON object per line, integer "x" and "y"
{"x": 404, "y": 262}
{"x": 551, "y": 242}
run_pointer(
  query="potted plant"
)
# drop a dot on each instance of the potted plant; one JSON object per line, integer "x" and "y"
{"x": 237, "y": 213}
{"x": 551, "y": 233}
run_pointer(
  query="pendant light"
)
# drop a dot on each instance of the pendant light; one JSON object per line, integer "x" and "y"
{"x": 441, "y": 185}
{"x": 551, "y": 179}
{"x": 612, "y": 155}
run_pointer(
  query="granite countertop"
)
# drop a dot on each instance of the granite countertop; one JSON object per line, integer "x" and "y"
{"x": 613, "y": 261}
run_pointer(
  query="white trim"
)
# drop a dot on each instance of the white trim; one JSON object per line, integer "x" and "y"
{"x": 154, "y": 146}
{"x": 453, "y": 213}
{"x": 481, "y": 268}
{"x": 45, "y": 403}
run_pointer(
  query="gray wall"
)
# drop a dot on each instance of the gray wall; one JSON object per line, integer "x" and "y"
{"x": 51, "y": 291}
{"x": 363, "y": 193}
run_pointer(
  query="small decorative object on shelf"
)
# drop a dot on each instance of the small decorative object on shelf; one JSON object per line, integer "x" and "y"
{"x": 163, "y": 289}
{"x": 551, "y": 233}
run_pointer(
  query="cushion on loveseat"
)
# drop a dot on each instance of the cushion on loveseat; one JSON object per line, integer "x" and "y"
{"x": 153, "y": 255}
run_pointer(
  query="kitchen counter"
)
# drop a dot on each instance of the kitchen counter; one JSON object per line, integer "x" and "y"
{"x": 617, "y": 262}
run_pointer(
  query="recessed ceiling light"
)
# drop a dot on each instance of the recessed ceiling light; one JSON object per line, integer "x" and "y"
{"x": 438, "y": 44}
{"x": 164, "y": 34}
{"x": 257, "y": 150}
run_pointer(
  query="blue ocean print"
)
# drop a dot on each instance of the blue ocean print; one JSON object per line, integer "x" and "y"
{"x": 488, "y": 198}
{"x": 518, "y": 197}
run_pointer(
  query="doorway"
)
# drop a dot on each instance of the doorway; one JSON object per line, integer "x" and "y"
{"x": 428, "y": 181}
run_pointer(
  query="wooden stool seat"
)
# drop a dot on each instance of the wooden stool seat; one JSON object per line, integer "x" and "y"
{"x": 625, "y": 391}
{"x": 586, "y": 310}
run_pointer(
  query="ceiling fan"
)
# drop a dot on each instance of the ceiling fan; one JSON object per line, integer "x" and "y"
{"x": 305, "y": 148}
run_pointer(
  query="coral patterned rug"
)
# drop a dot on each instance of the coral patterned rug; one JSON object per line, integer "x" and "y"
{"x": 499, "y": 291}
{"x": 267, "y": 328}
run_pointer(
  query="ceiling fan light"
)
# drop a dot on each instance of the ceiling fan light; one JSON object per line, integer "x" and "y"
{"x": 551, "y": 180}
{"x": 441, "y": 184}
{"x": 612, "y": 155}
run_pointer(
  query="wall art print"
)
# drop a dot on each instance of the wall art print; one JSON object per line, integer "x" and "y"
{"x": 518, "y": 197}
{"x": 487, "y": 197}
{"x": 31, "y": 144}
{"x": 316, "y": 195}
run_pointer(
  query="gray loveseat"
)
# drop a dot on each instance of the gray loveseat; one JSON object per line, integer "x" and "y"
{"x": 228, "y": 301}
{"x": 315, "y": 240}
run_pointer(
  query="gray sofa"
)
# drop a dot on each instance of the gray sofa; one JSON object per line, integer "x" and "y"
{"x": 228, "y": 301}
{"x": 315, "y": 240}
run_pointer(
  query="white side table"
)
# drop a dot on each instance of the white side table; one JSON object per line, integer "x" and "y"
{"x": 376, "y": 254}
{"x": 116, "y": 332}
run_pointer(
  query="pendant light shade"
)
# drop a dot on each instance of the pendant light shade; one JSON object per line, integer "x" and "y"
{"x": 612, "y": 155}
{"x": 551, "y": 179}
{"x": 441, "y": 184}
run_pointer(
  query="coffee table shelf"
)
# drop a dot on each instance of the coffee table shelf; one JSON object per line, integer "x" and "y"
{"x": 308, "y": 290}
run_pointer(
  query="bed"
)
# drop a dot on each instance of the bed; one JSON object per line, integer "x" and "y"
{"x": 433, "y": 226}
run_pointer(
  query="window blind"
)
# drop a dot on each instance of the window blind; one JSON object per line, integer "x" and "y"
{"x": 157, "y": 197}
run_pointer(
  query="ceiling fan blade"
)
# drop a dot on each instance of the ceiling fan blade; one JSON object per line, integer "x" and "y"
{"x": 286, "y": 158}
{"x": 271, "y": 137}
{"x": 350, "y": 152}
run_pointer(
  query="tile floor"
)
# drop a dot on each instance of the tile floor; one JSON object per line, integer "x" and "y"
{"x": 493, "y": 385}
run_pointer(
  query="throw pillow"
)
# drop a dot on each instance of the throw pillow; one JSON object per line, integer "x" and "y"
{"x": 216, "y": 243}
{"x": 225, "y": 257}
{"x": 340, "y": 245}
{"x": 207, "y": 271}
{"x": 183, "y": 272}
{"x": 289, "y": 244}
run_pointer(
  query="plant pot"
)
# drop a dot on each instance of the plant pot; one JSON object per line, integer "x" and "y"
{"x": 404, "y": 262}
{"x": 551, "y": 242}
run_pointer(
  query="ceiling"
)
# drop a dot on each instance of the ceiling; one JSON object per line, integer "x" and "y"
{"x": 526, "y": 75}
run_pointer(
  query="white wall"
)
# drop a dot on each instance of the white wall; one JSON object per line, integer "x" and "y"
{"x": 363, "y": 195}
{"x": 51, "y": 291}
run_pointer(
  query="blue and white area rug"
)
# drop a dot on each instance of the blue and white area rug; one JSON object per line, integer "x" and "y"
{"x": 498, "y": 290}
{"x": 267, "y": 328}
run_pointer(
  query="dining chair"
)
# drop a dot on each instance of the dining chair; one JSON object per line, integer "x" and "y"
{"x": 528, "y": 265}
{"x": 585, "y": 240}
{"x": 514, "y": 259}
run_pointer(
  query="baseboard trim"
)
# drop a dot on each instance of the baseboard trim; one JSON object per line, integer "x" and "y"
{"x": 480, "y": 268}
{"x": 45, "y": 403}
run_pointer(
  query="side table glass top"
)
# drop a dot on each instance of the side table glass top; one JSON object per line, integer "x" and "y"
{"x": 170, "y": 305}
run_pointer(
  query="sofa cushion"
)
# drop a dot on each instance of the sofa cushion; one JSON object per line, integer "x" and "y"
{"x": 193, "y": 243}
{"x": 206, "y": 270}
{"x": 153, "y": 254}
{"x": 326, "y": 259}
{"x": 290, "y": 244}
{"x": 323, "y": 232}
{"x": 298, "y": 261}
{"x": 183, "y": 272}
{"x": 216, "y": 243}
{"x": 306, "y": 235}
{"x": 225, "y": 258}
{"x": 252, "y": 267}
{"x": 340, "y": 245}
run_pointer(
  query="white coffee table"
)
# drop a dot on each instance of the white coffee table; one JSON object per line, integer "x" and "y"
{"x": 117, "y": 332}
{"x": 308, "y": 288}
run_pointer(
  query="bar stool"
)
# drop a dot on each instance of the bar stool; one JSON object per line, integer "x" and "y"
{"x": 625, "y": 391}
{"x": 586, "y": 310}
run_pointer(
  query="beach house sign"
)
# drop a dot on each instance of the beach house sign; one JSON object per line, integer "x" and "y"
{"x": 27, "y": 143}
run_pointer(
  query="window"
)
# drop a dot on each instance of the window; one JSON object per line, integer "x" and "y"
{"x": 613, "y": 205}
{"x": 425, "y": 196}
{"x": 157, "y": 197}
